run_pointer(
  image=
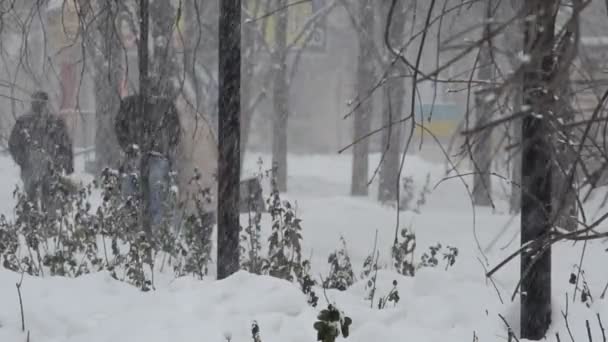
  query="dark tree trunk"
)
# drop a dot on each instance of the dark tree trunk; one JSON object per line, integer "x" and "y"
{"x": 144, "y": 87}
{"x": 388, "y": 188}
{"x": 536, "y": 170}
{"x": 281, "y": 100}
{"x": 362, "y": 116}
{"x": 229, "y": 138}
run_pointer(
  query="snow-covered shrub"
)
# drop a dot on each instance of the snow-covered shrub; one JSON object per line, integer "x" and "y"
{"x": 284, "y": 243}
{"x": 403, "y": 253}
{"x": 306, "y": 284}
{"x": 193, "y": 233}
{"x": 391, "y": 297}
{"x": 341, "y": 275}
{"x": 430, "y": 258}
{"x": 330, "y": 323}
{"x": 255, "y": 332}
{"x": 252, "y": 259}
{"x": 71, "y": 238}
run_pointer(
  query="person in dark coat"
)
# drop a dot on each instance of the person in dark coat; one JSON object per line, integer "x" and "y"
{"x": 40, "y": 144}
{"x": 154, "y": 134}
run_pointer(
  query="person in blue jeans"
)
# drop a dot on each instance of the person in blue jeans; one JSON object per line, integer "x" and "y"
{"x": 152, "y": 135}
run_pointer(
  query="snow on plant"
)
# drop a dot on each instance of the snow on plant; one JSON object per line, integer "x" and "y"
{"x": 403, "y": 253}
{"x": 391, "y": 297}
{"x": 430, "y": 258}
{"x": 331, "y": 323}
{"x": 306, "y": 284}
{"x": 251, "y": 240}
{"x": 341, "y": 275}
{"x": 284, "y": 243}
{"x": 194, "y": 244}
{"x": 284, "y": 259}
{"x": 255, "y": 332}
{"x": 71, "y": 238}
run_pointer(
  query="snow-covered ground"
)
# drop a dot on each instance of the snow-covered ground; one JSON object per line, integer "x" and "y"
{"x": 435, "y": 305}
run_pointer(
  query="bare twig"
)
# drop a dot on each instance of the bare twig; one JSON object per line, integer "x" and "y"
{"x": 492, "y": 281}
{"x": 18, "y": 285}
{"x": 565, "y": 315}
{"x": 509, "y": 329}
{"x": 599, "y": 321}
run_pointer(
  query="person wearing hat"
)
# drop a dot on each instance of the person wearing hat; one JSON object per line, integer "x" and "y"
{"x": 40, "y": 144}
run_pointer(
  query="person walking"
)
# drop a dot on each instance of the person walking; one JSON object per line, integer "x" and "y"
{"x": 40, "y": 145}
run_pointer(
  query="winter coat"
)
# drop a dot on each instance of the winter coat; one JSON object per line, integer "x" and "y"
{"x": 157, "y": 130}
{"x": 41, "y": 138}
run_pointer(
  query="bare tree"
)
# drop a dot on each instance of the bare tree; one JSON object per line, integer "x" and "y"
{"x": 280, "y": 98}
{"x": 482, "y": 152}
{"x": 363, "y": 112}
{"x": 229, "y": 138}
{"x": 393, "y": 111}
{"x": 539, "y": 94}
{"x": 105, "y": 47}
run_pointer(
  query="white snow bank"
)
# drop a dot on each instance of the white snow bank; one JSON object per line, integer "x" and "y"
{"x": 97, "y": 308}
{"x": 436, "y": 305}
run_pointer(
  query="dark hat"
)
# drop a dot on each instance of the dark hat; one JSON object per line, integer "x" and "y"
{"x": 40, "y": 96}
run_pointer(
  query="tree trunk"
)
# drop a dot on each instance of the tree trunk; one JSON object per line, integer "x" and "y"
{"x": 229, "y": 138}
{"x": 281, "y": 100}
{"x": 362, "y": 116}
{"x": 248, "y": 67}
{"x": 482, "y": 151}
{"x": 388, "y": 188}
{"x": 165, "y": 64}
{"x": 564, "y": 187}
{"x": 144, "y": 86}
{"x": 537, "y": 167}
{"x": 515, "y": 198}
{"x": 107, "y": 82}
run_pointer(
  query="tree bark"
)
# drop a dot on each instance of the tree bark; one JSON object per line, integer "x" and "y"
{"x": 536, "y": 210}
{"x": 165, "y": 64}
{"x": 281, "y": 100}
{"x": 564, "y": 190}
{"x": 229, "y": 138}
{"x": 515, "y": 198}
{"x": 108, "y": 72}
{"x": 248, "y": 67}
{"x": 144, "y": 87}
{"x": 388, "y": 188}
{"x": 482, "y": 151}
{"x": 362, "y": 116}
